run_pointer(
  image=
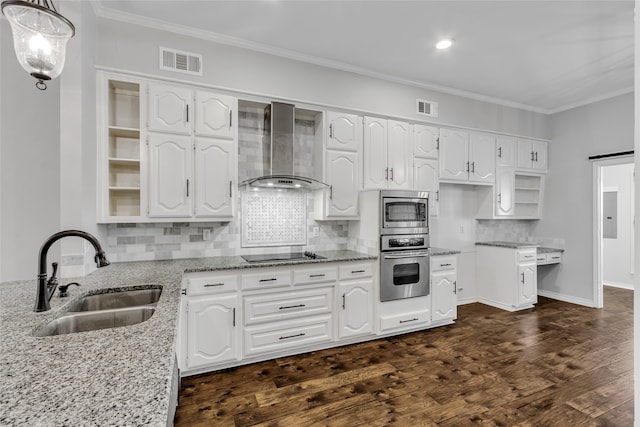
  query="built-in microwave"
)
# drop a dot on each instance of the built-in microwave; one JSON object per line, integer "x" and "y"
{"x": 404, "y": 210}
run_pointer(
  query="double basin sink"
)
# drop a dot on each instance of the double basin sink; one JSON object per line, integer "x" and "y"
{"x": 111, "y": 308}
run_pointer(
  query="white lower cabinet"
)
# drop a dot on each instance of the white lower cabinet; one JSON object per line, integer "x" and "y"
{"x": 212, "y": 335}
{"x": 275, "y": 337}
{"x": 507, "y": 277}
{"x": 355, "y": 311}
{"x": 404, "y": 314}
{"x": 444, "y": 302}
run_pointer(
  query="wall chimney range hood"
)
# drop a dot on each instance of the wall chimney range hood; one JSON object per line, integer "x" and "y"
{"x": 278, "y": 152}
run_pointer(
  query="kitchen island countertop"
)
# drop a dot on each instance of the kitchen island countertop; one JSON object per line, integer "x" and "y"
{"x": 119, "y": 376}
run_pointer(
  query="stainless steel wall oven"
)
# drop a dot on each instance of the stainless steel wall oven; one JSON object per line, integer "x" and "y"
{"x": 404, "y": 243}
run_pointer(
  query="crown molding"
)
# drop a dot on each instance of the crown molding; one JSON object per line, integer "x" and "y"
{"x": 592, "y": 100}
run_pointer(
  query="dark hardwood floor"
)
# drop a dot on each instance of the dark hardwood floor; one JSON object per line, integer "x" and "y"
{"x": 558, "y": 364}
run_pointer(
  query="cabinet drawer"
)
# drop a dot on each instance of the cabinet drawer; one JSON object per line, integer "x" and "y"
{"x": 284, "y": 335}
{"x": 550, "y": 258}
{"x": 355, "y": 271}
{"x": 439, "y": 263}
{"x": 282, "y": 306}
{"x": 266, "y": 279}
{"x": 405, "y": 320}
{"x": 207, "y": 283}
{"x": 541, "y": 258}
{"x": 306, "y": 276}
{"x": 527, "y": 256}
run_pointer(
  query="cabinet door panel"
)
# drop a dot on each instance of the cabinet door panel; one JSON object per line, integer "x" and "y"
{"x": 527, "y": 282}
{"x": 345, "y": 131}
{"x": 355, "y": 309}
{"x": 375, "y": 153}
{"x": 425, "y": 178}
{"x": 211, "y": 335}
{"x": 443, "y": 288}
{"x": 214, "y": 114}
{"x": 505, "y": 191}
{"x": 425, "y": 141}
{"x": 398, "y": 149}
{"x": 454, "y": 155}
{"x": 539, "y": 149}
{"x": 342, "y": 175}
{"x": 169, "y": 109}
{"x": 525, "y": 154}
{"x": 506, "y": 152}
{"x": 215, "y": 171}
{"x": 482, "y": 158}
{"x": 170, "y": 176}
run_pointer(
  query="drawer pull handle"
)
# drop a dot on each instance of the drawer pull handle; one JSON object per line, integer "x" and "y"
{"x": 522, "y": 278}
{"x": 317, "y": 275}
{"x": 357, "y": 271}
{"x": 555, "y": 257}
{"x": 445, "y": 265}
{"x": 273, "y": 279}
{"x": 528, "y": 256}
{"x": 301, "y": 334}
{"x": 344, "y": 301}
{"x": 211, "y": 285}
{"x": 284, "y": 307}
{"x": 410, "y": 320}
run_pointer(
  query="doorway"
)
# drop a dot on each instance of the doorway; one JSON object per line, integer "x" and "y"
{"x": 613, "y": 225}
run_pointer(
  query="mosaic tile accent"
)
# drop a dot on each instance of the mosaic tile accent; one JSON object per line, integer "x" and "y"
{"x": 503, "y": 230}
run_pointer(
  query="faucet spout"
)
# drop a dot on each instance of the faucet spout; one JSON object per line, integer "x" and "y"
{"x": 45, "y": 290}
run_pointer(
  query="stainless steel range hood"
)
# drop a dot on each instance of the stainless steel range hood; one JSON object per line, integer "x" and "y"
{"x": 278, "y": 149}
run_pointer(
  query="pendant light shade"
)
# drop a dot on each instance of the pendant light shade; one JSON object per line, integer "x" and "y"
{"x": 40, "y": 36}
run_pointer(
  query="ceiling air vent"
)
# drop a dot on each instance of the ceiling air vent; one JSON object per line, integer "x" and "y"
{"x": 182, "y": 62}
{"x": 427, "y": 108}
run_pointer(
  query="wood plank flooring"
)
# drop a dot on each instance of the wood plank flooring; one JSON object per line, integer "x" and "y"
{"x": 558, "y": 364}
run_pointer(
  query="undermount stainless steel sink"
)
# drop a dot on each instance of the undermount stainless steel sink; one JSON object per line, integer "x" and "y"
{"x": 94, "y": 320}
{"x": 112, "y": 308}
{"x": 118, "y": 299}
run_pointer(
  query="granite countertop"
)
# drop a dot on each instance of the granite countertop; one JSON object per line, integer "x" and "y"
{"x": 442, "y": 251}
{"x": 119, "y": 376}
{"x": 520, "y": 245}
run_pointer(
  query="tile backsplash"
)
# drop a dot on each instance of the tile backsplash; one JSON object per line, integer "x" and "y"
{"x": 504, "y": 230}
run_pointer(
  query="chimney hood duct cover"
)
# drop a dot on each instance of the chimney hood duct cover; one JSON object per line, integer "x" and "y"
{"x": 278, "y": 146}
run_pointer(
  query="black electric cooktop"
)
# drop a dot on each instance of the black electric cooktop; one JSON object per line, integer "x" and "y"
{"x": 293, "y": 256}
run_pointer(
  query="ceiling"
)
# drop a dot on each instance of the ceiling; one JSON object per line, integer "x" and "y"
{"x": 544, "y": 56}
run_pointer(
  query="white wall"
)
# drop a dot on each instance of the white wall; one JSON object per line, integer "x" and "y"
{"x": 29, "y": 172}
{"x": 617, "y": 254}
{"x": 602, "y": 127}
{"x": 130, "y": 47}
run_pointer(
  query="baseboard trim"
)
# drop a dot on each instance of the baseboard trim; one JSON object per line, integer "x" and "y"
{"x": 565, "y": 298}
{"x": 468, "y": 300}
{"x": 618, "y": 285}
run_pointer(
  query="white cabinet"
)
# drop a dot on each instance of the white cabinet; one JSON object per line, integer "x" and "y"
{"x": 505, "y": 192}
{"x": 191, "y": 177}
{"x": 355, "y": 303}
{"x": 505, "y": 152}
{"x": 341, "y": 167}
{"x": 507, "y": 277}
{"x": 467, "y": 158}
{"x": 532, "y": 155}
{"x": 425, "y": 164}
{"x": 386, "y": 154}
{"x": 170, "y": 170}
{"x": 212, "y": 330}
{"x": 169, "y": 109}
{"x": 444, "y": 306}
{"x": 214, "y": 115}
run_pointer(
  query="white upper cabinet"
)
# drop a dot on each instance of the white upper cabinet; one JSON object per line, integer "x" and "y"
{"x": 505, "y": 192}
{"x": 425, "y": 178}
{"x": 506, "y": 152}
{"x": 170, "y": 184}
{"x": 345, "y": 131}
{"x": 169, "y": 109}
{"x": 467, "y": 158}
{"x": 532, "y": 155}
{"x": 376, "y": 172}
{"x": 214, "y": 114}
{"x": 454, "y": 155}
{"x": 215, "y": 168}
{"x": 342, "y": 177}
{"x": 425, "y": 141}
{"x": 482, "y": 160}
{"x": 387, "y": 147}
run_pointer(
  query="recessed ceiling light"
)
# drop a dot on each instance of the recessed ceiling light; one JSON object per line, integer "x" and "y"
{"x": 444, "y": 44}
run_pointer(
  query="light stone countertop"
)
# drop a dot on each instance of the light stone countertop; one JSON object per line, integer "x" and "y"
{"x": 116, "y": 377}
{"x": 511, "y": 245}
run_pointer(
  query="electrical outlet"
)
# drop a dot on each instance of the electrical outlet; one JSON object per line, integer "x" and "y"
{"x": 316, "y": 231}
{"x": 206, "y": 234}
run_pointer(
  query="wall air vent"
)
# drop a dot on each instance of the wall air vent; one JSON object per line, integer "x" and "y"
{"x": 427, "y": 108}
{"x": 182, "y": 62}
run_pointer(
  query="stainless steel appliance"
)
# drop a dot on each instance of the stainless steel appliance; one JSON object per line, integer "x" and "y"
{"x": 404, "y": 244}
{"x": 403, "y": 210}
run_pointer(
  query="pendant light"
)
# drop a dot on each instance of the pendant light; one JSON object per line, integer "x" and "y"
{"x": 40, "y": 36}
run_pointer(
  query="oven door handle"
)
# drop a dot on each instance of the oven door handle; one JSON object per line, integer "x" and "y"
{"x": 411, "y": 255}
